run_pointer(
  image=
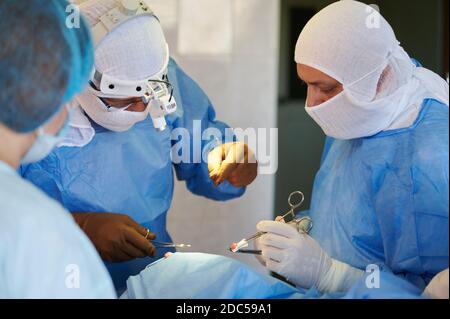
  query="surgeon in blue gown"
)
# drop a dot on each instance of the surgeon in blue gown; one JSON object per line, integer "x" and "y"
{"x": 115, "y": 173}
{"x": 381, "y": 195}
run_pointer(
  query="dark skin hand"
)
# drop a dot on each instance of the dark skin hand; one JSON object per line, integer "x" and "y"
{"x": 116, "y": 237}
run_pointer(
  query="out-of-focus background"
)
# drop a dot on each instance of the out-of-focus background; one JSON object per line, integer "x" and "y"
{"x": 241, "y": 53}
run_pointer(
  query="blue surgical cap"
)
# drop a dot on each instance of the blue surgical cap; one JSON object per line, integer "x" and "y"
{"x": 45, "y": 59}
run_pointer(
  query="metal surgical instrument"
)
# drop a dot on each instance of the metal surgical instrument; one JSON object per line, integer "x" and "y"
{"x": 303, "y": 224}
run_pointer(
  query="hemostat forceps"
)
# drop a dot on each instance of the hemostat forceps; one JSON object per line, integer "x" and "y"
{"x": 303, "y": 224}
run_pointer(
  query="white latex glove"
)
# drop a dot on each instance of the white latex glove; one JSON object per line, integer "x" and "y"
{"x": 438, "y": 286}
{"x": 258, "y": 246}
{"x": 301, "y": 260}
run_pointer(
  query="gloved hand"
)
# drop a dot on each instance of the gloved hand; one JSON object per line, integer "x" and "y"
{"x": 301, "y": 260}
{"x": 438, "y": 286}
{"x": 116, "y": 237}
{"x": 258, "y": 246}
{"x": 234, "y": 162}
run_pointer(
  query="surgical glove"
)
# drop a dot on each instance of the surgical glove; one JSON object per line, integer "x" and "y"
{"x": 300, "y": 259}
{"x": 258, "y": 246}
{"x": 438, "y": 286}
{"x": 234, "y": 162}
{"x": 116, "y": 237}
{"x": 257, "y": 243}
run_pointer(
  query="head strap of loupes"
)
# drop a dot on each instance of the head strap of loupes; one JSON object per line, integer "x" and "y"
{"x": 156, "y": 90}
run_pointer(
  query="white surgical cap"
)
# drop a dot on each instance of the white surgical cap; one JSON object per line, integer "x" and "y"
{"x": 350, "y": 41}
{"x": 135, "y": 50}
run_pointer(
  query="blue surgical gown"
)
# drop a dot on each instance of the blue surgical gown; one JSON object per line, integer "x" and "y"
{"x": 132, "y": 173}
{"x": 204, "y": 276}
{"x": 389, "y": 286}
{"x": 384, "y": 199}
{"x": 43, "y": 253}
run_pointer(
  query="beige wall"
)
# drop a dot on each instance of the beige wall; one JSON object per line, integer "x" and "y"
{"x": 230, "y": 47}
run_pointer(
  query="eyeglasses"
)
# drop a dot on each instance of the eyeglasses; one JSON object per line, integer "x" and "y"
{"x": 112, "y": 104}
{"x": 158, "y": 91}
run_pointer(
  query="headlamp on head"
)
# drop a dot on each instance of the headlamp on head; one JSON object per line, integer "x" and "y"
{"x": 156, "y": 91}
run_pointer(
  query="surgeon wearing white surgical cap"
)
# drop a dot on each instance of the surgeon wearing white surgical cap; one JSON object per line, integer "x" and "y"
{"x": 381, "y": 194}
{"x": 114, "y": 171}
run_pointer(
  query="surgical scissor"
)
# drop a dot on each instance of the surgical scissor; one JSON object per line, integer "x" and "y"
{"x": 303, "y": 225}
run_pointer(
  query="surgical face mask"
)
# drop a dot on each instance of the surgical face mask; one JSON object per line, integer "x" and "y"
{"x": 113, "y": 119}
{"x": 344, "y": 117}
{"x": 44, "y": 144}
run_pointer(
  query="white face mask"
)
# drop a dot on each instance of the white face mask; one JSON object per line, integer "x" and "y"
{"x": 343, "y": 117}
{"x": 117, "y": 120}
{"x": 43, "y": 145}
{"x": 346, "y": 117}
